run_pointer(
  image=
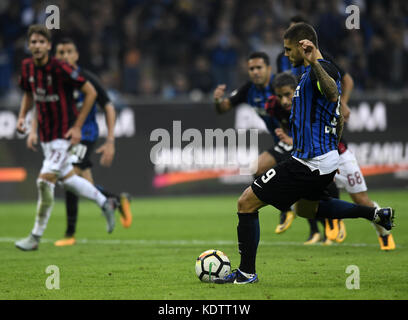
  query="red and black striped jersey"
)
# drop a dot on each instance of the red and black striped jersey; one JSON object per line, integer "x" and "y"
{"x": 52, "y": 87}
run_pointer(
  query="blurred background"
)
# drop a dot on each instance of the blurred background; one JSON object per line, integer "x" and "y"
{"x": 161, "y": 59}
{"x": 173, "y": 48}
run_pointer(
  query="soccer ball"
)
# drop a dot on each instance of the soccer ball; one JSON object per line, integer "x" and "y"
{"x": 212, "y": 264}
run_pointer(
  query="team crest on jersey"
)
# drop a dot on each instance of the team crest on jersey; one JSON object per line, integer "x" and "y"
{"x": 296, "y": 94}
{"x": 75, "y": 74}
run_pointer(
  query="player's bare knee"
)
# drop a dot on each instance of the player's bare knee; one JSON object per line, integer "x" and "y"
{"x": 248, "y": 202}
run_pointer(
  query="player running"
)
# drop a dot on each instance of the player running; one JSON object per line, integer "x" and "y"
{"x": 50, "y": 83}
{"x": 66, "y": 50}
{"x": 255, "y": 93}
{"x": 316, "y": 126}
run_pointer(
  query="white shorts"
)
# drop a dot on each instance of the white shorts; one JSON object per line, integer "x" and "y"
{"x": 350, "y": 176}
{"x": 57, "y": 159}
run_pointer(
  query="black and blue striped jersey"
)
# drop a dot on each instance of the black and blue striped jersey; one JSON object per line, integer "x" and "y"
{"x": 313, "y": 118}
{"x": 90, "y": 130}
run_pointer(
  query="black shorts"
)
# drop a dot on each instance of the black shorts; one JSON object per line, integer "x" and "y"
{"x": 280, "y": 152}
{"x": 290, "y": 181}
{"x": 86, "y": 163}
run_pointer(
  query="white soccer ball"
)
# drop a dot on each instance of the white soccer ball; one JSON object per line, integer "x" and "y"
{"x": 212, "y": 264}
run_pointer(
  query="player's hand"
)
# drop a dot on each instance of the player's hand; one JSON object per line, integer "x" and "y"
{"x": 219, "y": 93}
{"x": 308, "y": 51}
{"x": 108, "y": 152}
{"x": 283, "y": 136}
{"x": 75, "y": 134}
{"x": 21, "y": 125}
{"x": 32, "y": 140}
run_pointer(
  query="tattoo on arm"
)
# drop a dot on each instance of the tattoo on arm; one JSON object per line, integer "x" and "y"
{"x": 327, "y": 84}
{"x": 340, "y": 126}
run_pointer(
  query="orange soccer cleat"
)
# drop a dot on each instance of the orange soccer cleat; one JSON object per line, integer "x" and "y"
{"x": 125, "y": 211}
{"x": 68, "y": 241}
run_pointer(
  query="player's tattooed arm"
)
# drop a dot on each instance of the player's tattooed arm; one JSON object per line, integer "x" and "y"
{"x": 327, "y": 85}
{"x": 340, "y": 125}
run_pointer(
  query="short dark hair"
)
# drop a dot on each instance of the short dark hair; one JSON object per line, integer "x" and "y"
{"x": 284, "y": 79}
{"x": 65, "y": 40}
{"x": 297, "y": 19}
{"x": 261, "y": 55}
{"x": 300, "y": 31}
{"x": 40, "y": 29}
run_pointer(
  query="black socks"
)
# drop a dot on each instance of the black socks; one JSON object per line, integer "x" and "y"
{"x": 248, "y": 239}
{"x": 338, "y": 209}
{"x": 71, "y": 204}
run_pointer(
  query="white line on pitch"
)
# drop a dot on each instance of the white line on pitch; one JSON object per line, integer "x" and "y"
{"x": 186, "y": 242}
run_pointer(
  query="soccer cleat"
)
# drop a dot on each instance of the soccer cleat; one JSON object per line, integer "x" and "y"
{"x": 68, "y": 241}
{"x": 286, "y": 219}
{"x": 108, "y": 210}
{"x": 331, "y": 228}
{"x": 327, "y": 242}
{"x": 313, "y": 239}
{"x": 387, "y": 242}
{"x": 28, "y": 244}
{"x": 124, "y": 209}
{"x": 384, "y": 217}
{"x": 237, "y": 277}
{"x": 342, "y": 232}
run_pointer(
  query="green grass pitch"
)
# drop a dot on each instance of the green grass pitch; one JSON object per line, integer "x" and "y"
{"x": 154, "y": 259}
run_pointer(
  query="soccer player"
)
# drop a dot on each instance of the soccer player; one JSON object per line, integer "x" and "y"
{"x": 50, "y": 84}
{"x": 316, "y": 127}
{"x": 66, "y": 50}
{"x": 255, "y": 93}
{"x": 284, "y": 87}
{"x": 348, "y": 165}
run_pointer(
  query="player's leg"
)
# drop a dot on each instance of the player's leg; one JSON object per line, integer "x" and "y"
{"x": 314, "y": 234}
{"x": 71, "y": 207}
{"x": 248, "y": 232}
{"x": 122, "y": 202}
{"x": 273, "y": 188}
{"x": 45, "y": 202}
{"x": 335, "y": 229}
{"x": 83, "y": 188}
{"x": 46, "y": 180}
{"x": 267, "y": 160}
{"x": 339, "y": 209}
{"x": 351, "y": 178}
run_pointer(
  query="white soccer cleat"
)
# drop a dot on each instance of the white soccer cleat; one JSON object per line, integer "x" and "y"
{"x": 108, "y": 210}
{"x": 28, "y": 244}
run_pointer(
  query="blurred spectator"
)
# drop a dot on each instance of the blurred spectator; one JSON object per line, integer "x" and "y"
{"x": 131, "y": 71}
{"x": 6, "y": 66}
{"x": 201, "y": 77}
{"x": 170, "y": 47}
{"x": 223, "y": 52}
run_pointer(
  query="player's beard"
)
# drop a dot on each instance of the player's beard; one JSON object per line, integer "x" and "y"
{"x": 297, "y": 63}
{"x": 40, "y": 57}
